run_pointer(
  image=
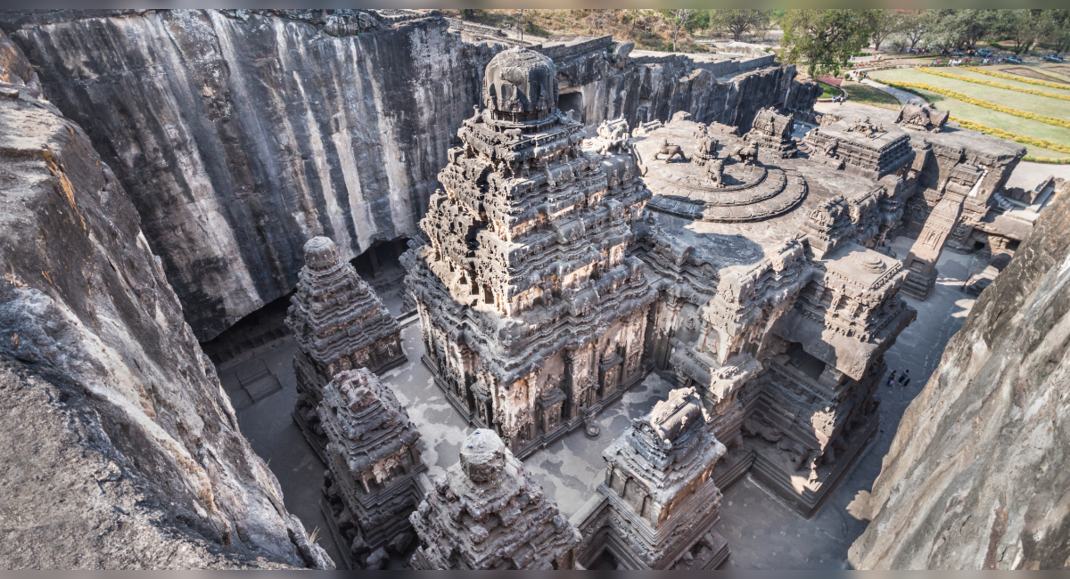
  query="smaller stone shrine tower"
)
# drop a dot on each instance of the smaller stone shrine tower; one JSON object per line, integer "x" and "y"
{"x": 659, "y": 500}
{"x": 339, "y": 324}
{"x": 373, "y": 463}
{"x": 490, "y": 513}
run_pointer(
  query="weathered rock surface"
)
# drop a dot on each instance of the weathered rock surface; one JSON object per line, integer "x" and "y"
{"x": 240, "y": 134}
{"x": 976, "y": 476}
{"x": 121, "y": 449}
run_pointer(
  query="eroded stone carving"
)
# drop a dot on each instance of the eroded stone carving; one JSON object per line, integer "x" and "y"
{"x": 660, "y": 499}
{"x": 922, "y": 116}
{"x": 371, "y": 488}
{"x": 489, "y": 513}
{"x": 339, "y": 324}
{"x": 531, "y": 308}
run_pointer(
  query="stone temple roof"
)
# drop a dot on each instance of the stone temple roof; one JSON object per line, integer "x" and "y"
{"x": 775, "y": 198}
{"x": 334, "y": 313}
{"x": 520, "y": 81}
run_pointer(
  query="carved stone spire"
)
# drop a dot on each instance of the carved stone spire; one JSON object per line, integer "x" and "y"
{"x": 339, "y": 324}
{"x": 490, "y": 513}
{"x": 373, "y": 462}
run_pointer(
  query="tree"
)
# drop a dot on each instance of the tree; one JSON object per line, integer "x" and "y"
{"x": 885, "y": 23}
{"x": 736, "y": 23}
{"x": 825, "y": 39}
{"x": 968, "y": 26}
{"x": 1059, "y": 35}
{"x": 678, "y": 19}
{"x": 1025, "y": 27}
{"x": 913, "y": 25}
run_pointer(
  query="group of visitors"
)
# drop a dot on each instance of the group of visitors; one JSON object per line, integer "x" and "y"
{"x": 903, "y": 380}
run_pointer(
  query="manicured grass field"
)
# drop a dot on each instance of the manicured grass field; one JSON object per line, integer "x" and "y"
{"x": 868, "y": 95}
{"x": 827, "y": 90}
{"x": 969, "y": 74}
{"x": 1005, "y": 122}
{"x": 1040, "y": 105}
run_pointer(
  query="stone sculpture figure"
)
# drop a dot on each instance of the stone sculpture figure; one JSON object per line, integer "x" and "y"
{"x": 774, "y": 132}
{"x": 707, "y": 146}
{"x": 373, "y": 463}
{"x": 339, "y": 324}
{"x": 670, "y": 151}
{"x": 866, "y": 128}
{"x": 922, "y": 116}
{"x": 612, "y": 136}
{"x": 747, "y": 152}
{"x": 715, "y": 171}
{"x": 490, "y": 513}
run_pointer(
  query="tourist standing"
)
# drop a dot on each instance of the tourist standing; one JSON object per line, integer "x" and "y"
{"x": 904, "y": 377}
{"x": 891, "y": 378}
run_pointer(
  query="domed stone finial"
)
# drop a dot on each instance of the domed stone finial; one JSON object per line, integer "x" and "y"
{"x": 483, "y": 455}
{"x": 320, "y": 253}
{"x": 520, "y": 81}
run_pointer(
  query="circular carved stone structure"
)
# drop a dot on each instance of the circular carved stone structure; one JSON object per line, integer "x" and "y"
{"x": 751, "y": 192}
{"x": 321, "y": 253}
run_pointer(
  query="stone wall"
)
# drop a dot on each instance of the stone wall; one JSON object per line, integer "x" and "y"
{"x": 975, "y": 477}
{"x": 121, "y": 450}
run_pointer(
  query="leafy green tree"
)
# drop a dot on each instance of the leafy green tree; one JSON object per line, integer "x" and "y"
{"x": 885, "y": 23}
{"x": 700, "y": 21}
{"x": 736, "y": 23}
{"x": 913, "y": 25}
{"x": 825, "y": 39}
{"x": 1024, "y": 27}
{"x": 1059, "y": 35}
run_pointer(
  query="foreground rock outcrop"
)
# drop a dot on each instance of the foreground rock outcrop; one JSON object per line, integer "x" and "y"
{"x": 121, "y": 450}
{"x": 977, "y": 477}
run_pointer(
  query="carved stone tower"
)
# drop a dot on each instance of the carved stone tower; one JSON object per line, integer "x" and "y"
{"x": 660, "y": 502}
{"x": 339, "y": 324}
{"x": 531, "y": 309}
{"x": 490, "y": 513}
{"x": 371, "y": 484}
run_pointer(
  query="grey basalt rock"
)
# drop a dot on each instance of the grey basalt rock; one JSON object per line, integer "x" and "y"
{"x": 976, "y": 475}
{"x": 121, "y": 448}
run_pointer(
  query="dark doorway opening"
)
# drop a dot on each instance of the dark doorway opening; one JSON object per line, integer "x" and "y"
{"x": 572, "y": 101}
{"x": 380, "y": 266}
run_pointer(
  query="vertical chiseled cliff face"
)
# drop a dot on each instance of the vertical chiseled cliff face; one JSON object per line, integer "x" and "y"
{"x": 120, "y": 448}
{"x": 976, "y": 476}
{"x": 240, "y": 135}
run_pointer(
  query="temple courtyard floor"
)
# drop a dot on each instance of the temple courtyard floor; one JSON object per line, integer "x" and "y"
{"x": 762, "y": 532}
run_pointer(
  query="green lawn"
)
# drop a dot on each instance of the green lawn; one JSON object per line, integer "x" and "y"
{"x": 827, "y": 90}
{"x": 958, "y": 71}
{"x": 868, "y": 95}
{"x": 1041, "y": 105}
{"x": 1010, "y": 123}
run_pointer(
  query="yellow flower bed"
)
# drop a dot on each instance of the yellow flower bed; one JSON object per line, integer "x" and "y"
{"x": 1012, "y": 136}
{"x": 928, "y": 70}
{"x": 1018, "y": 78}
{"x": 980, "y": 103}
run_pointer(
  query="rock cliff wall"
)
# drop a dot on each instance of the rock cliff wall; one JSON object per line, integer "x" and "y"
{"x": 120, "y": 448}
{"x": 241, "y": 134}
{"x": 977, "y": 477}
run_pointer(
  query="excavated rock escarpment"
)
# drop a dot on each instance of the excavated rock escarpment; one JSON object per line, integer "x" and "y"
{"x": 240, "y": 134}
{"x": 977, "y": 477}
{"x": 120, "y": 448}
